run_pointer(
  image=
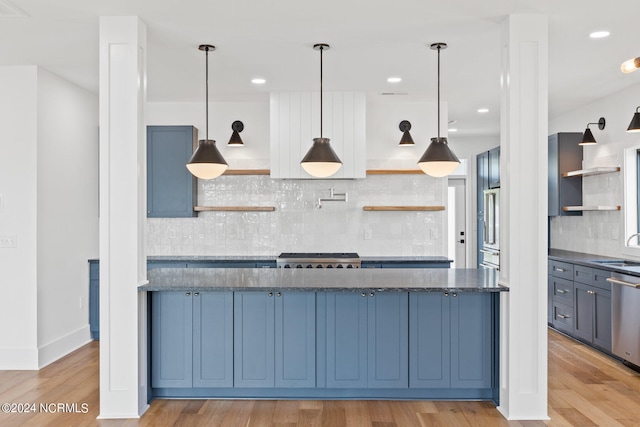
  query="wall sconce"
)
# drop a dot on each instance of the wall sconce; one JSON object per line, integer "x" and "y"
{"x": 406, "y": 141}
{"x": 634, "y": 126}
{"x": 587, "y": 136}
{"x": 630, "y": 66}
{"x": 235, "y": 140}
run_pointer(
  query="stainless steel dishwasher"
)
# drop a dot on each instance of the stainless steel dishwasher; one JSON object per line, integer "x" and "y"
{"x": 625, "y": 314}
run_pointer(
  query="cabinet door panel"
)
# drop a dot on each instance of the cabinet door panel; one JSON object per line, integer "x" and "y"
{"x": 295, "y": 352}
{"x": 602, "y": 319}
{"x": 583, "y": 311}
{"x": 388, "y": 330}
{"x": 471, "y": 351}
{"x": 253, "y": 339}
{"x": 429, "y": 340}
{"x": 171, "y": 189}
{"x": 213, "y": 339}
{"x": 494, "y": 168}
{"x": 171, "y": 339}
{"x": 346, "y": 340}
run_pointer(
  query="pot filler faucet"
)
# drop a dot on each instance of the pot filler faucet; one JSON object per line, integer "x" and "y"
{"x": 333, "y": 197}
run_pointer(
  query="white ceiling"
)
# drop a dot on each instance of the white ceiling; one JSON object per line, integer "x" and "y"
{"x": 370, "y": 41}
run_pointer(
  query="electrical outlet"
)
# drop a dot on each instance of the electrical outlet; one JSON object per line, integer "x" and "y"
{"x": 81, "y": 302}
{"x": 367, "y": 234}
{"x": 8, "y": 241}
{"x": 1, "y": 202}
{"x": 172, "y": 233}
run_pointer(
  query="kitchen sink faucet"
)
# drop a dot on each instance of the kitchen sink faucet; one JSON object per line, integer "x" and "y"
{"x": 631, "y": 237}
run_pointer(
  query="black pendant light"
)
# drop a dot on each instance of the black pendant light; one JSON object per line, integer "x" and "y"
{"x": 235, "y": 140}
{"x": 321, "y": 161}
{"x": 587, "y": 136}
{"x": 207, "y": 162}
{"x": 438, "y": 160}
{"x": 634, "y": 126}
{"x": 406, "y": 140}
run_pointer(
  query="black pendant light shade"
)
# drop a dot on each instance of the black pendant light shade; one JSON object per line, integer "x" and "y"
{"x": 235, "y": 140}
{"x": 406, "y": 140}
{"x": 321, "y": 161}
{"x": 207, "y": 162}
{"x": 634, "y": 126}
{"x": 438, "y": 160}
{"x": 587, "y": 136}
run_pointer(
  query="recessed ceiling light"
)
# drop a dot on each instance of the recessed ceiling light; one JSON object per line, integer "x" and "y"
{"x": 599, "y": 34}
{"x": 258, "y": 81}
{"x": 453, "y": 130}
{"x": 394, "y": 79}
{"x": 483, "y": 110}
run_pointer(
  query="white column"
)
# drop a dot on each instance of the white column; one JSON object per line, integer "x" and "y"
{"x": 122, "y": 216}
{"x": 523, "y": 222}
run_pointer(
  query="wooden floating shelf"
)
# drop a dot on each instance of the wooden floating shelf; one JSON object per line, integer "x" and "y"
{"x": 592, "y": 171}
{"x": 590, "y": 208}
{"x": 394, "y": 172}
{"x": 403, "y": 208}
{"x": 235, "y": 208}
{"x": 247, "y": 172}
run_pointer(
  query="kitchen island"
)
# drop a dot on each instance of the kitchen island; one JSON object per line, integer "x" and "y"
{"x": 323, "y": 334}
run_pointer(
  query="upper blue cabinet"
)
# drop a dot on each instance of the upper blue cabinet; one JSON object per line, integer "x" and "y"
{"x": 171, "y": 189}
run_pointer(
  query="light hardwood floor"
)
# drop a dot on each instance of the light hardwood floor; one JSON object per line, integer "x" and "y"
{"x": 586, "y": 388}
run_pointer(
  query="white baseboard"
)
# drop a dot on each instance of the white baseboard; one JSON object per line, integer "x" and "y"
{"x": 64, "y": 345}
{"x": 19, "y": 359}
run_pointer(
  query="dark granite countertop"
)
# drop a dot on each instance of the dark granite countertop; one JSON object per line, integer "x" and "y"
{"x": 205, "y": 258}
{"x": 588, "y": 260}
{"x": 401, "y": 259}
{"x": 312, "y": 280}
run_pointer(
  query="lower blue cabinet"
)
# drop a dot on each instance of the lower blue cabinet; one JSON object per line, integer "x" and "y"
{"x": 94, "y": 299}
{"x": 274, "y": 339}
{"x": 191, "y": 339}
{"x": 367, "y": 340}
{"x": 451, "y": 340}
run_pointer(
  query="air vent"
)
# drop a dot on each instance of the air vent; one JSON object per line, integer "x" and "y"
{"x": 7, "y": 10}
{"x": 394, "y": 93}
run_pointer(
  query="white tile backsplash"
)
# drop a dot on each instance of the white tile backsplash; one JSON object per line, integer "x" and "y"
{"x": 298, "y": 225}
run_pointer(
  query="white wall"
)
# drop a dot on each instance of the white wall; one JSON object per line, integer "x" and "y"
{"x": 599, "y": 233}
{"x": 18, "y": 142}
{"x": 67, "y": 212}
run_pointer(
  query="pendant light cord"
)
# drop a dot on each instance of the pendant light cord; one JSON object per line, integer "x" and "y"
{"x": 321, "y": 49}
{"x": 206, "y": 84}
{"x": 439, "y": 92}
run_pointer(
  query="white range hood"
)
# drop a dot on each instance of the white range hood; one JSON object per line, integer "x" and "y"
{"x": 295, "y": 121}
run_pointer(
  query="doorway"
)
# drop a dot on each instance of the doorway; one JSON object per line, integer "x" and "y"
{"x": 457, "y": 223}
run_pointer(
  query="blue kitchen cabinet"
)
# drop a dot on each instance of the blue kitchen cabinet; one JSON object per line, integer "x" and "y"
{"x": 213, "y": 339}
{"x": 450, "y": 341}
{"x": 165, "y": 264}
{"x": 171, "y": 339}
{"x": 274, "y": 339}
{"x": 429, "y": 340}
{"x": 494, "y": 168}
{"x": 94, "y": 299}
{"x": 366, "y": 340}
{"x": 171, "y": 188}
{"x": 471, "y": 346}
{"x": 191, "y": 339}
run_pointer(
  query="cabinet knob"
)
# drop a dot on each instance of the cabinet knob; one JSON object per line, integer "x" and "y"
{"x": 364, "y": 294}
{"x": 454, "y": 294}
{"x": 270, "y": 294}
{"x": 591, "y": 292}
{"x": 196, "y": 294}
{"x": 279, "y": 294}
{"x": 188, "y": 294}
{"x": 446, "y": 294}
{"x": 372, "y": 294}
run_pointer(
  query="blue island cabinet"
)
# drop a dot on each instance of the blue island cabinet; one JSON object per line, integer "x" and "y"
{"x": 191, "y": 339}
{"x": 274, "y": 339}
{"x": 366, "y": 340}
{"x": 450, "y": 340}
